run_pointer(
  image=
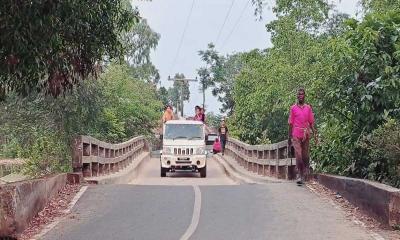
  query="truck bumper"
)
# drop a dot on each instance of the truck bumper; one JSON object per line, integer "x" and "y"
{"x": 183, "y": 162}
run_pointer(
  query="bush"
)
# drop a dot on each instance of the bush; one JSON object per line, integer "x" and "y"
{"x": 383, "y": 145}
{"x": 45, "y": 151}
{"x": 374, "y": 156}
{"x": 335, "y": 152}
{"x": 10, "y": 149}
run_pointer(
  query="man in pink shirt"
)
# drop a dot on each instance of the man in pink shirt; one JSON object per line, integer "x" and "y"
{"x": 301, "y": 121}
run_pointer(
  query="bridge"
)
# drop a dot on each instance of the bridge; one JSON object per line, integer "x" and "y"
{"x": 248, "y": 194}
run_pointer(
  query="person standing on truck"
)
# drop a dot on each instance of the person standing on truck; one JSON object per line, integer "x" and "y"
{"x": 197, "y": 116}
{"x": 301, "y": 121}
{"x": 168, "y": 114}
{"x": 223, "y": 135}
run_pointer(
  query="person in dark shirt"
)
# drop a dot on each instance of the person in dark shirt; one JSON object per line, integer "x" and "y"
{"x": 223, "y": 135}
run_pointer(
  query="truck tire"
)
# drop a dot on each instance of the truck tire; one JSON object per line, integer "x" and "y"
{"x": 203, "y": 172}
{"x": 163, "y": 172}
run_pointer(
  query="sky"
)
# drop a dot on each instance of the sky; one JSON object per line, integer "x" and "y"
{"x": 187, "y": 26}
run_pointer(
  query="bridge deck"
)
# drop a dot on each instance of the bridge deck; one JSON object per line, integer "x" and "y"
{"x": 227, "y": 210}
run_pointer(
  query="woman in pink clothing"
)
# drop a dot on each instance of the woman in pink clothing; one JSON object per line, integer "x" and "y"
{"x": 198, "y": 115}
{"x": 301, "y": 121}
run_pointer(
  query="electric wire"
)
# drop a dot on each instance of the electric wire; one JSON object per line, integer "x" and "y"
{"x": 182, "y": 38}
{"x": 236, "y": 23}
{"x": 223, "y": 24}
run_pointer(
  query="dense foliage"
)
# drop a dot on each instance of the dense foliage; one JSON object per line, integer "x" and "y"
{"x": 213, "y": 120}
{"x": 75, "y": 41}
{"x": 219, "y": 74}
{"x": 361, "y": 93}
{"x": 174, "y": 95}
{"x": 350, "y": 69}
{"x": 50, "y": 45}
{"x": 113, "y": 108}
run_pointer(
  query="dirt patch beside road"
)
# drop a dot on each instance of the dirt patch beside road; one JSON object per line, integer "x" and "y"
{"x": 53, "y": 210}
{"x": 354, "y": 213}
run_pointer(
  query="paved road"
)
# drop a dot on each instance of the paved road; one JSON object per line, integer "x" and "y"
{"x": 214, "y": 208}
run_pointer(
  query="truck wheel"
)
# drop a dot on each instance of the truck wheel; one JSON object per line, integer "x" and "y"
{"x": 203, "y": 172}
{"x": 163, "y": 172}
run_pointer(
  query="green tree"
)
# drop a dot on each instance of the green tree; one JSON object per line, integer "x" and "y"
{"x": 174, "y": 98}
{"x": 363, "y": 91}
{"x": 213, "y": 120}
{"x": 139, "y": 42}
{"x": 132, "y": 106}
{"x": 46, "y": 46}
{"x": 380, "y": 5}
{"x": 179, "y": 92}
{"x": 266, "y": 85}
{"x": 207, "y": 75}
{"x": 113, "y": 108}
{"x": 350, "y": 70}
{"x": 219, "y": 74}
{"x": 225, "y": 81}
{"x": 121, "y": 103}
{"x": 163, "y": 96}
{"x": 305, "y": 11}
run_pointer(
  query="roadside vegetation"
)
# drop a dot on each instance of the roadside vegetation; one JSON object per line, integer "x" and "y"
{"x": 350, "y": 69}
{"x": 55, "y": 86}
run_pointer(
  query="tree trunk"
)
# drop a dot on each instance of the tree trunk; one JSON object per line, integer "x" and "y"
{"x": 204, "y": 96}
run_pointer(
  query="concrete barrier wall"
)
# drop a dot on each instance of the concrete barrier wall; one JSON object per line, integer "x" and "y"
{"x": 275, "y": 160}
{"x": 380, "y": 201}
{"x": 21, "y": 201}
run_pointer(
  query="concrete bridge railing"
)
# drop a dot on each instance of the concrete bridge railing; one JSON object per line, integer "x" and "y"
{"x": 94, "y": 158}
{"x": 275, "y": 160}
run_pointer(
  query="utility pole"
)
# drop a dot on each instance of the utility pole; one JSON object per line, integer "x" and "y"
{"x": 182, "y": 82}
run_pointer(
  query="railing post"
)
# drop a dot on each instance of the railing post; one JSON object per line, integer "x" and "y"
{"x": 254, "y": 161}
{"x": 77, "y": 153}
{"x": 277, "y": 162}
{"x": 292, "y": 168}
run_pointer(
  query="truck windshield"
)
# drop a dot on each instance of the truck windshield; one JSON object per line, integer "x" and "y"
{"x": 184, "y": 131}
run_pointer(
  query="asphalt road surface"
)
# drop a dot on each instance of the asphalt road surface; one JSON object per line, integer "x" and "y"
{"x": 185, "y": 206}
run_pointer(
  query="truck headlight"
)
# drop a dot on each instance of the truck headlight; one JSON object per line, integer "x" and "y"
{"x": 167, "y": 150}
{"x": 200, "y": 151}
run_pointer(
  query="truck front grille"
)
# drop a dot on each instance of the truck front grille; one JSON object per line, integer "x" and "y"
{"x": 183, "y": 151}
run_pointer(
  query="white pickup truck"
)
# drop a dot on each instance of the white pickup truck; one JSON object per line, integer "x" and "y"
{"x": 184, "y": 147}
